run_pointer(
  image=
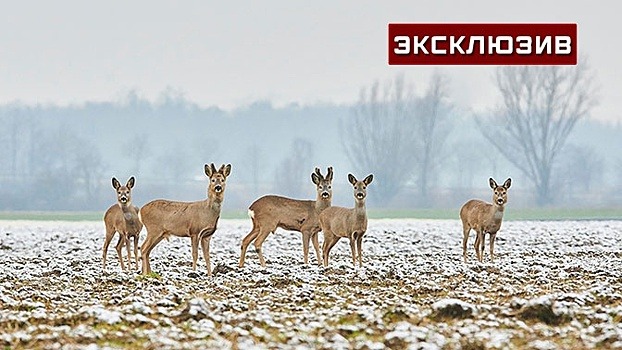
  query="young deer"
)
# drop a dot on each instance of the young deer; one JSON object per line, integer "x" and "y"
{"x": 484, "y": 218}
{"x": 196, "y": 220}
{"x": 123, "y": 218}
{"x": 270, "y": 212}
{"x": 338, "y": 222}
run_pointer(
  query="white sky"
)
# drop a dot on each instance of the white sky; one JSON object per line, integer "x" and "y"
{"x": 231, "y": 53}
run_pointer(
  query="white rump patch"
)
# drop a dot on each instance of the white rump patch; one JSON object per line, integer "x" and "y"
{"x": 251, "y": 214}
{"x": 139, "y": 217}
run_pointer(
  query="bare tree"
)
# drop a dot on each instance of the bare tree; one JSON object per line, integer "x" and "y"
{"x": 391, "y": 132}
{"x": 582, "y": 167}
{"x": 253, "y": 158}
{"x": 292, "y": 175}
{"x": 174, "y": 165}
{"x": 541, "y": 106}
{"x": 432, "y": 127}
{"x": 379, "y": 136}
{"x": 137, "y": 150}
{"x": 88, "y": 167}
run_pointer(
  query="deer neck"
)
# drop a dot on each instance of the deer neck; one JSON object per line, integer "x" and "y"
{"x": 214, "y": 202}
{"x": 127, "y": 207}
{"x": 496, "y": 212}
{"x": 359, "y": 207}
{"x": 130, "y": 214}
{"x": 322, "y": 203}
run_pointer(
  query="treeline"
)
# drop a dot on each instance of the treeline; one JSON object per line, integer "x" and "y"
{"x": 62, "y": 158}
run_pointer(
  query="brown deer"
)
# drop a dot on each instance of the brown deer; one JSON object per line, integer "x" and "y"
{"x": 123, "y": 218}
{"x": 338, "y": 222}
{"x": 196, "y": 220}
{"x": 484, "y": 218}
{"x": 270, "y": 212}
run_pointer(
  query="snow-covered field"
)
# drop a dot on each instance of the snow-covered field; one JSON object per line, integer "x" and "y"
{"x": 552, "y": 285}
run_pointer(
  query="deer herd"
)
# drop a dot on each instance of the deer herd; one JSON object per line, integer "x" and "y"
{"x": 198, "y": 220}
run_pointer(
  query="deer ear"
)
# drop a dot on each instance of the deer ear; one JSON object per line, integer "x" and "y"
{"x": 115, "y": 183}
{"x": 227, "y": 170}
{"x": 329, "y": 175}
{"x": 368, "y": 179}
{"x": 493, "y": 183}
{"x": 352, "y": 179}
{"x": 130, "y": 182}
{"x": 208, "y": 170}
{"x": 315, "y": 177}
{"x": 507, "y": 183}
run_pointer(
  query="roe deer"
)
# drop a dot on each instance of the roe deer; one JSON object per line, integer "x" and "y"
{"x": 123, "y": 218}
{"x": 270, "y": 212}
{"x": 484, "y": 218}
{"x": 338, "y": 222}
{"x": 196, "y": 220}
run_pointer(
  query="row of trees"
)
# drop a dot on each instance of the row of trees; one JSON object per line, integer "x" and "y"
{"x": 401, "y": 135}
{"x": 63, "y": 158}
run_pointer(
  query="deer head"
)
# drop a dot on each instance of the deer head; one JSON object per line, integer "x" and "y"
{"x": 500, "y": 193}
{"x": 323, "y": 184}
{"x": 360, "y": 187}
{"x": 217, "y": 178}
{"x": 124, "y": 193}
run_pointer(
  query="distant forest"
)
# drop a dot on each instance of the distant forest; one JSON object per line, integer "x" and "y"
{"x": 63, "y": 158}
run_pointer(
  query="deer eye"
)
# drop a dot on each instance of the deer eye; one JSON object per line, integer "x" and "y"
{"x": 364, "y": 187}
{"x": 213, "y": 180}
{"x": 330, "y": 187}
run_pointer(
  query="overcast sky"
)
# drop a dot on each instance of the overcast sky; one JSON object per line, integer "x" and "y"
{"x": 231, "y": 53}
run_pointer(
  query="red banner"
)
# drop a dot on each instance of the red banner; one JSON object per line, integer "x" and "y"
{"x": 482, "y": 43}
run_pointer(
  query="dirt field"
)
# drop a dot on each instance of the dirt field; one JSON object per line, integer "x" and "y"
{"x": 553, "y": 285}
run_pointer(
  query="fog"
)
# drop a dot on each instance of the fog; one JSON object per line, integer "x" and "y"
{"x": 63, "y": 158}
{"x": 155, "y": 90}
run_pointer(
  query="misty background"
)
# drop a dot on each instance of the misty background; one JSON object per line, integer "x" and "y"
{"x": 155, "y": 90}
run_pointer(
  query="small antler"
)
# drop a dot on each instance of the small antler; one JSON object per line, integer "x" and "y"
{"x": 319, "y": 173}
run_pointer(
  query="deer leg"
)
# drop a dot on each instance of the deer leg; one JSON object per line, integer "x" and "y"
{"x": 492, "y": 246}
{"x": 482, "y": 245}
{"x": 316, "y": 245}
{"x": 146, "y": 249}
{"x": 306, "y": 237}
{"x": 359, "y": 242}
{"x": 465, "y": 238}
{"x": 478, "y": 239}
{"x": 205, "y": 248}
{"x": 144, "y": 254}
{"x": 328, "y": 245}
{"x": 109, "y": 235}
{"x": 328, "y": 236}
{"x": 246, "y": 241}
{"x": 194, "y": 242}
{"x": 136, "y": 251}
{"x": 263, "y": 234}
{"x": 353, "y": 238}
{"x": 128, "y": 247}
{"x": 118, "y": 247}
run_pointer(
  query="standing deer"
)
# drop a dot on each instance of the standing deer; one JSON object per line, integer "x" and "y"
{"x": 484, "y": 218}
{"x": 196, "y": 220}
{"x": 338, "y": 222}
{"x": 270, "y": 212}
{"x": 123, "y": 218}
